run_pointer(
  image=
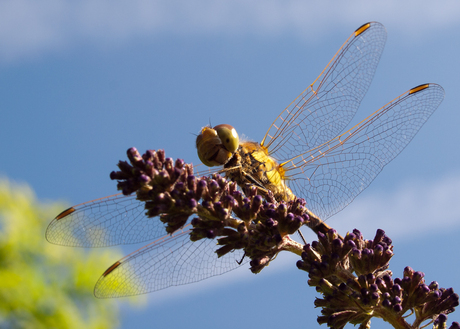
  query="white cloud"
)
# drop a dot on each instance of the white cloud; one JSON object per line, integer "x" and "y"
{"x": 414, "y": 209}
{"x": 29, "y": 28}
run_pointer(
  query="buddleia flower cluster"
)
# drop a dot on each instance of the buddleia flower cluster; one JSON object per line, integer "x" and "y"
{"x": 237, "y": 219}
{"x": 353, "y": 277}
{"x": 350, "y": 273}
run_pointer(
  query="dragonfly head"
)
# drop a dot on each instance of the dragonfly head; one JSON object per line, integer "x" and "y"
{"x": 215, "y": 146}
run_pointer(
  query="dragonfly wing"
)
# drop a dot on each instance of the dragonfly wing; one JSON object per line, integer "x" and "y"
{"x": 171, "y": 261}
{"x": 327, "y": 106}
{"x": 332, "y": 175}
{"x": 113, "y": 220}
{"x": 201, "y": 170}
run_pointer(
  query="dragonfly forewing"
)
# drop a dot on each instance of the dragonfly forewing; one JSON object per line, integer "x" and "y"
{"x": 328, "y": 105}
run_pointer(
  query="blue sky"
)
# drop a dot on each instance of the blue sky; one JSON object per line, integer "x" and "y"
{"x": 80, "y": 82}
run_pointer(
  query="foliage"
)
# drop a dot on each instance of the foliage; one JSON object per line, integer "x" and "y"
{"x": 43, "y": 285}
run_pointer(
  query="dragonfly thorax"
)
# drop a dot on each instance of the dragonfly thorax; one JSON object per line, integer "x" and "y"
{"x": 252, "y": 166}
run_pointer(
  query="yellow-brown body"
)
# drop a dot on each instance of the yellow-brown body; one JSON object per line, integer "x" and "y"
{"x": 251, "y": 165}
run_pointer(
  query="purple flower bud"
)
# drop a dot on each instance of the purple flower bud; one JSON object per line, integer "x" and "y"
{"x": 332, "y": 232}
{"x": 270, "y": 213}
{"x": 125, "y": 166}
{"x": 298, "y": 220}
{"x": 418, "y": 276}
{"x": 406, "y": 282}
{"x": 213, "y": 185}
{"x": 442, "y": 318}
{"x": 434, "y": 285}
{"x": 149, "y": 155}
{"x": 350, "y": 244}
{"x": 232, "y": 202}
{"x": 337, "y": 245}
{"x": 207, "y": 204}
{"x": 408, "y": 271}
{"x": 201, "y": 189}
{"x": 223, "y": 213}
{"x": 191, "y": 182}
{"x": 367, "y": 252}
{"x": 306, "y": 217}
{"x": 350, "y": 236}
{"x": 447, "y": 292}
{"x": 179, "y": 163}
{"x": 153, "y": 173}
{"x": 396, "y": 288}
{"x": 300, "y": 264}
{"x": 436, "y": 294}
{"x": 133, "y": 154}
{"x": 379, "y": 236}
{"x": 357, "y": 233}
{"x": 175, "y": 194}
{"x": 192, "y": 203}
{"x": 304, "y": 255}
{"x": 222, "y": 182}
{"x": 161, "y": 155}
{"x": 176, "y": 172}
{"x": 144, "y": 179}
{"x": 169, "y": 164}
{"x": 335, "y": 258}
{"x": 387, "y": 240}
{"x": 300, "y": 202}
{"x": 424, "y": 288}
{"x": 397, "y": 308}
{"x": 164, "y": 176}
{"x": 113, "y": 175}
{"x": 386, "y": 303}
{"x": 378, "y": 249}
{"x": 454, "y": 325}
{"x": 256, "y": 203}
{"x": 270, "y": 222}
{"x": 282, "y": 208}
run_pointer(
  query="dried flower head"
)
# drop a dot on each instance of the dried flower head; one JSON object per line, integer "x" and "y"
{"x": 238, "y": 220}
{"x": 353, "y": 277}
{"x": 351, "y": 273}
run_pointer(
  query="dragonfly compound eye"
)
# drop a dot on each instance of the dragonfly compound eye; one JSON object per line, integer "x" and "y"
{"x": 228, "y": 137}
{"x": 215, "y": 146}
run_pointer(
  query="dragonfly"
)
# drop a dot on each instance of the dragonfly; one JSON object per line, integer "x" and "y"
{"x": 304, "y": 153}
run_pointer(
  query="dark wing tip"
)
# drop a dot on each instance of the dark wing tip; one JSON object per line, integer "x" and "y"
{"x": 65, "y": 213}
